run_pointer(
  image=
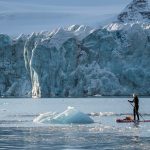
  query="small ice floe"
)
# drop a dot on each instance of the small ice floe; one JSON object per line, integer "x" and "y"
{"x": 98, "y": 95}
{"x": 69, "y": 116}
{"x": 101, "y": 114}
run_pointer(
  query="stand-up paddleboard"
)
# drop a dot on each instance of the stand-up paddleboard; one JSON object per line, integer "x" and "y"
{"x": 130, "y": 121}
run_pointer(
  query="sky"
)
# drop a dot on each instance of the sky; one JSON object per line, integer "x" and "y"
{"x": 27, "y": 16}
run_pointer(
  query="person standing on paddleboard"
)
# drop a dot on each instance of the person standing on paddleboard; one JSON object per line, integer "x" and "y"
{"x": 136, "y": 106}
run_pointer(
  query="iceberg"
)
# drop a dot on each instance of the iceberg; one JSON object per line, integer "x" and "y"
{"x": 69, "y": 116}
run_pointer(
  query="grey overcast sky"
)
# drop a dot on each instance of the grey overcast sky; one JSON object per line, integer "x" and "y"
{"x": 26, "y": 16}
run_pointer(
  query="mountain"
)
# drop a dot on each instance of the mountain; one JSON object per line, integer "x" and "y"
{"x": 137, "y": 11}
{"x": 80, "y": 61}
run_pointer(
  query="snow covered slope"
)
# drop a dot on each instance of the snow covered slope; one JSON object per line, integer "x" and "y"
{"x": 137, "y": 11}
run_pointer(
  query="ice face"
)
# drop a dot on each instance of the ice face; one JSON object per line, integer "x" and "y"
{"x": 100, "y": 63}
{"x": 71, "y": 115}
{"x": 14, "y": 80}
{"x": 104, "y": 63}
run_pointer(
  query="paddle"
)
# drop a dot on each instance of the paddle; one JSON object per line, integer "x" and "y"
{"x": 138, "y": 112}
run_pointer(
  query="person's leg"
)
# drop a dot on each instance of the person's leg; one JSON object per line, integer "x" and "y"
{"x": 137, "y": 113}
{"x": 134, "y": 112}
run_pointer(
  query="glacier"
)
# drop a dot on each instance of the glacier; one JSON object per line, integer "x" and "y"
{"x": 14, "y": 80}
{"x": 78, "y": 61}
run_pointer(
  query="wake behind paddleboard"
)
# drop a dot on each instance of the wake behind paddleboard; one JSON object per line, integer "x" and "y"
{"x": 130, "y": 121}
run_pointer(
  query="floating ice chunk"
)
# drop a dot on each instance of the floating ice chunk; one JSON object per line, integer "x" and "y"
{"x": 71, "y": 115}
{"x": 101, "y": 114}
{"x": 44, "y": 118}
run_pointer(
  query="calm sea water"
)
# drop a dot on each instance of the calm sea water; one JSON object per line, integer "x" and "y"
{"x": 18, "y": 131}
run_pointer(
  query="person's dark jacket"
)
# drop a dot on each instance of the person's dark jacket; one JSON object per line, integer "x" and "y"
{"x": 135, "y": 101}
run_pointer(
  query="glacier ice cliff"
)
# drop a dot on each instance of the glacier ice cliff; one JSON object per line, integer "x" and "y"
{"x": 78, "y": 61}
{"x": 14, "y": 80}
{"x": 103, "y": 62}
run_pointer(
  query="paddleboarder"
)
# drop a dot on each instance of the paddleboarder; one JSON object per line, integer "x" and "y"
{"x": 136, "y": 106}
